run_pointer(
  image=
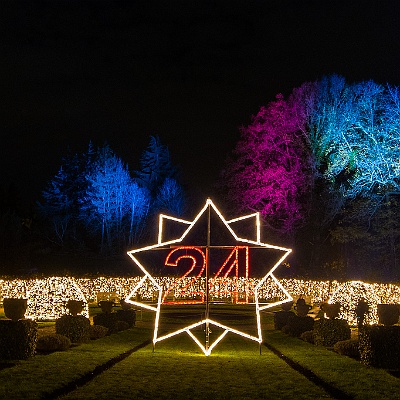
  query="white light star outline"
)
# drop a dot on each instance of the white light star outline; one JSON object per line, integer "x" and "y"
{"x": 259, "y": 306}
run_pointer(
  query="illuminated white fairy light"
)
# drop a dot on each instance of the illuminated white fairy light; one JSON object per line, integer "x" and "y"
{"x": 221, "y": 289}
{"x": 48, "y": 298}
{"x": 164, "y": 245}
{"x": 349, "y": 294}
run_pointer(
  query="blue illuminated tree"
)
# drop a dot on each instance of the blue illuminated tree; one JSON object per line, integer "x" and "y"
{"x": 139, "y": 201}
{"x": 60, "y": 203}
{"x": 170, "y": 198}
{"x": 159, "y": 177}
{"x": 57, "y": 206}
{"x": 155, "y": 165}
{"x": 114, "y": 204}
{"x": 94, "y": 199}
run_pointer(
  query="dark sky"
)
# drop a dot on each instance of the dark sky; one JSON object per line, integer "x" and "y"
{"x": 190, "y": 71}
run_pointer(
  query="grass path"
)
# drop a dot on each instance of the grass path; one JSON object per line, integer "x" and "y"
{"x": 235, "y": 370}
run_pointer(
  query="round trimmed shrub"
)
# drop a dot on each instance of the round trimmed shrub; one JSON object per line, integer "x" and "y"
{"x": 122, "y": 326}
{"x": 97, "y": 331}
{"x": 53, "y": 342}
{"x": 127, "y": 315}
{"x": 348, "y": 348}
{"x": 109, "y": 320}
{"x": 308, "y": 336}
{"x": 75, "y": 328}
{"x": 281, "y": 318}
{"x": 297, "y": 325}
{"x": 329, "y": 331}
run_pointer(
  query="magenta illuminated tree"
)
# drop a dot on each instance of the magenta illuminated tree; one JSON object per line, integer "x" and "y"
{"x": 271, "y": 170}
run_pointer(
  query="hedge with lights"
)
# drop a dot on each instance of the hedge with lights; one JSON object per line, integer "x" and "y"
{"x": 380, "y": 346}
{"x": 48, "y": 297}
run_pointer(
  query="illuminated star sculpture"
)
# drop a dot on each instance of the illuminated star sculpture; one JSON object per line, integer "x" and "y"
{"x": 197, "y": 253}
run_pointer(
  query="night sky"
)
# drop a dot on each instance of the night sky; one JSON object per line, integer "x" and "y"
{"x": 189, "y": 71}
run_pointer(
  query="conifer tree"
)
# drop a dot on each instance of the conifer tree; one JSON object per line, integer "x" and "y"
{"x": 155, "y": 165}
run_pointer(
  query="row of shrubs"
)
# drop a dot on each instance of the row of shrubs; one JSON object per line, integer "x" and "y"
{"x": 19, "y": 340}
{"x": 77, "y": 329}
{"x": 376, "y": 345}
{"x": 70, "y": 329}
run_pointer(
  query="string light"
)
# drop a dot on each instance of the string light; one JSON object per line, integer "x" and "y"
{"x": 349, "y": 294}
{"x": 47, "y": 298}
{"x": 223, "y": 290}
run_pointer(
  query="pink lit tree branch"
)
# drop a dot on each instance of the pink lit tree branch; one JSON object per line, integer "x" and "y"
{"x": 271, "y": 169}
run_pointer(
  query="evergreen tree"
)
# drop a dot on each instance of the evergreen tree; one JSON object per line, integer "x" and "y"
{"x": 61, "y": 199}
{"x": 155, "y": 166}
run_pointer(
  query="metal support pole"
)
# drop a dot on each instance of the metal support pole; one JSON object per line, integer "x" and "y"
{"x": 207, "y": 344}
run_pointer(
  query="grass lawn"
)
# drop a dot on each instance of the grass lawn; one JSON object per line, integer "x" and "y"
{"x": 178, "y": 369}
{"x": 352, "y": 377}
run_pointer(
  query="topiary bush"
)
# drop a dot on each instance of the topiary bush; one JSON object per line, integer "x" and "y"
{"x": 18, "y": 339}
{"x": 97, "y": 331}
{"x": 348, "y": 348}
{"x": 329, "y": 331}
{"x": 308, "y": 336}
{"x": 128, "y": 316}
{"x": 53, "y": 342}
{"x": 109, "y": 320}
{"x": 122, "y": 326}
{"x": 75, "y": 328}
{"x": 281, "y": 318}
{"x": 297, "y": 325}
{"x": 380, "y": 346}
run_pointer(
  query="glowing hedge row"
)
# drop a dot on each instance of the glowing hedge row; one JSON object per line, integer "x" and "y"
{"x": 48, "y": 297}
